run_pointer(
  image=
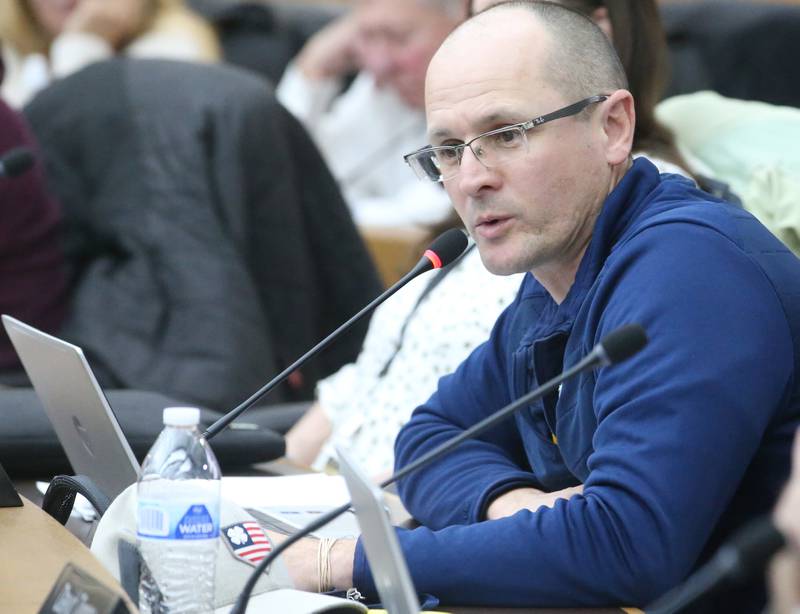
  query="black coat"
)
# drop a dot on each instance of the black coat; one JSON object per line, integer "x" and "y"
{"x": 210, "y": 244}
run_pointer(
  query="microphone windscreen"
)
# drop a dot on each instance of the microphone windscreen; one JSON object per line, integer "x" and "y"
{"x": 447, "y": 247}
{"x": 624, "y": 342}
{"x": 16, "y": 162}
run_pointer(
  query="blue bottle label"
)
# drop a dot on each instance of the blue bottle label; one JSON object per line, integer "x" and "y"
{"x": 177, "y": 520}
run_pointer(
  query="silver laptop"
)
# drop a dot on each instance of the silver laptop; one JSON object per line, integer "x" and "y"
{"x": 385, "y": 557}
{"x": 76, "y": 406}
{"x": 90, "y": 434}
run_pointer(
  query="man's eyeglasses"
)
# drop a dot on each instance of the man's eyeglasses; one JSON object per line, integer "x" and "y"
{"x": 492, "y": 148}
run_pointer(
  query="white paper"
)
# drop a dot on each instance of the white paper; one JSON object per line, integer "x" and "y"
{"x": 293, "y": 501}
{"x": 308, "y": 490}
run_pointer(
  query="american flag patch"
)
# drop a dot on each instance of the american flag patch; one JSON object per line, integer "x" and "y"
{"x": 247, "y": 541}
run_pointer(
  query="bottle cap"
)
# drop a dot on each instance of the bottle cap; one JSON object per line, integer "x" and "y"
{"x": 181, "y": 416}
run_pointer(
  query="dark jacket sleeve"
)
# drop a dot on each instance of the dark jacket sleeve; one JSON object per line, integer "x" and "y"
{"x": 676, "y": 430}
{"x": 209, "y": 243}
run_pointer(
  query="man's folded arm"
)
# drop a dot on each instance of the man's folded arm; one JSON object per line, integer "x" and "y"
{"x": 649, "y": 506}
{"x": 677, "y": 429}
{"x": 456, "y": 488}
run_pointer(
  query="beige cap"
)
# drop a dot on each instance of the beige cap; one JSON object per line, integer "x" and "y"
{"x": 236, "y": 526}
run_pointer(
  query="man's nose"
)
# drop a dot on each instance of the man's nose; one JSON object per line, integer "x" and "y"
{"x": 474, "y": 176}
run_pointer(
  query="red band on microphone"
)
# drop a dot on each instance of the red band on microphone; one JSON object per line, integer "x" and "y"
{"x": 434, "y": 258}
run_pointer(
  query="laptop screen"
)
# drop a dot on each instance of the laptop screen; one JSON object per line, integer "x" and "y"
{"x": 385, "y": 557}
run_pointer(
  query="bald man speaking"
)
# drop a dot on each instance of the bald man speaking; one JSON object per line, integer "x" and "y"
{"x": 614, "y": 489}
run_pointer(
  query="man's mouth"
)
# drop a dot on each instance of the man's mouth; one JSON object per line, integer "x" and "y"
{"x": 491, "y": 227}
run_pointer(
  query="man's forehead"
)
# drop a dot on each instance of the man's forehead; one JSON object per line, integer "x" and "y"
{"x": 486, "y": 74}
{"x": 442, "y": 122}
{"x": 474, "y": 104}
{"x": 470, "y": 63}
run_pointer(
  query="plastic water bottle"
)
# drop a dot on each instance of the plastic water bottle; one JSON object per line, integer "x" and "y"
{"x": 178, "y": 518}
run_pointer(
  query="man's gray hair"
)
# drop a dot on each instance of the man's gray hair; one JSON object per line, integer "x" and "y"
{"x": 581, "y": 61}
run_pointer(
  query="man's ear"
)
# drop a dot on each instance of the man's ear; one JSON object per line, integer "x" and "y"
{"x": 619, "y": 122}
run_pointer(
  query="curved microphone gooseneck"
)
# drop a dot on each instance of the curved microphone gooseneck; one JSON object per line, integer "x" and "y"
{"x": 445, "y": 249}
{"x": 615, "y": 347}
{"x": 746, "y": 553}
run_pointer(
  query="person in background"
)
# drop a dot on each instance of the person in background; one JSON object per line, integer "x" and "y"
{"x": 750, "y": 145}
{"x": 33, "y": 279}
{"x": 419, "y": 335}
{"x": 47, "y": 39}
{"x": 784, "y": 572}
{"x": 364, "y": 132}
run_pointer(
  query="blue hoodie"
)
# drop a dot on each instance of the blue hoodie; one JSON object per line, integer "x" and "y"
{"x": 675, "y": 447}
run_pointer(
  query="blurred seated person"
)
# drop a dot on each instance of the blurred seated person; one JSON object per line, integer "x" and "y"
{"x": 785, "y": 568}
{"x": 750, "y": 145}
{"x": 48, "y": 39}
{"x": 32, "y": 267}
{"x": 419, "y": 335}
{"x": 364, "y": 132}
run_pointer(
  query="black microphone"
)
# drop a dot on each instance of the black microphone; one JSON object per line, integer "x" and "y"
{"x": 15, "y": 162}
{"x": 617, "y": 346}
{"x": 746, "y": 553}
{"x": 445, "y": 249}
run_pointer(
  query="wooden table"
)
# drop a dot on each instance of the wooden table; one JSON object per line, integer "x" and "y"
{"x": 35, "y": 548}
{"x": 394, "y": 250}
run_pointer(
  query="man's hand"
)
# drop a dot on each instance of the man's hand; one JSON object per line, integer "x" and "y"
{"x": 784, "y": 582}
{"x": 787, "y": 512}
{"x": 511, "y": 502}
{"x": 116, "y": 22}
{"x": 331, "y": 52}
{"x": 301, "y": 561}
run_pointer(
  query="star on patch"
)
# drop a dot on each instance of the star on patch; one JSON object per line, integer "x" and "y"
{"x": 247, "y": 541}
